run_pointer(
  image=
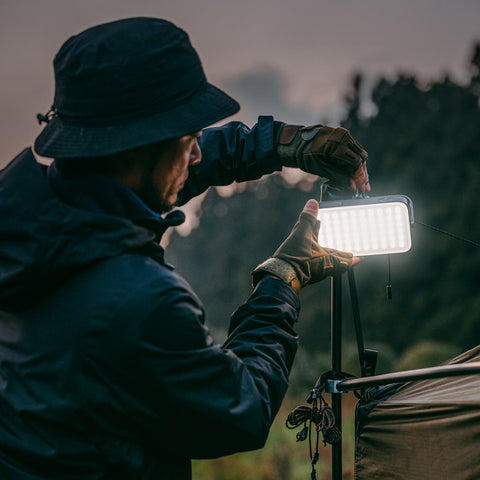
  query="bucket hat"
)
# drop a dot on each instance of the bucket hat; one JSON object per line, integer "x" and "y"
{"x": 126, "y": 84}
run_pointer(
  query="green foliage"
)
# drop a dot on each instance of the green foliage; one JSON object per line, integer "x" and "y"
{"x": 426, "y": 354}
{"x": 424, "y": 142}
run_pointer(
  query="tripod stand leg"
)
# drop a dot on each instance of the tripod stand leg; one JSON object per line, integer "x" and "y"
{"x": 336, "y": 357}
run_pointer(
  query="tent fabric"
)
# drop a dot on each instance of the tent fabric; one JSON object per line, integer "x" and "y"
{"x": 421, "y": 430}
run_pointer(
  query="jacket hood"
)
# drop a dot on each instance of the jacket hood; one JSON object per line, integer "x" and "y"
{"x": 43, "y": 240}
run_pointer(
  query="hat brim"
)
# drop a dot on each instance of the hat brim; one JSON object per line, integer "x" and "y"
{"x": 60, "y": 139}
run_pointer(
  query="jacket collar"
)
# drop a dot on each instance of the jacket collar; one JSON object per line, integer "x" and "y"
{"x": 98, "y": 193}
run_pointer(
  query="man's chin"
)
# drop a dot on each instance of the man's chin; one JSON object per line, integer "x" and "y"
{"x": 160, "y": 206}
{"x": 155, "y": 202}
{"x": 165, "y": 209}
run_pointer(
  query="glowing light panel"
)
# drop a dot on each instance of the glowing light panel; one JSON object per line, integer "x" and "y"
{"x": 375, "y": 226}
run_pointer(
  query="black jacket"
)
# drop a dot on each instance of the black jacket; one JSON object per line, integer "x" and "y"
{"x": 107, "y": 370}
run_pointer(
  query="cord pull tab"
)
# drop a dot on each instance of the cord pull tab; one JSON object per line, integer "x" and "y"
{"x": 45, "y": 118}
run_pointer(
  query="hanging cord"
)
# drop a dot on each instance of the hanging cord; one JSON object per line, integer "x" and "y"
{"x": 436, "y": 229}
{"x": 323, "y": 417}
{"x": 444, "y": 232}
{"x": 389, "y": 282}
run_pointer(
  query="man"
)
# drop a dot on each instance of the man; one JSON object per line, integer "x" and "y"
{"x": 107, "y": 370}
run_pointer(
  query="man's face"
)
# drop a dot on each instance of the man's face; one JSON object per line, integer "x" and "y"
{"x": 171, "y": 171}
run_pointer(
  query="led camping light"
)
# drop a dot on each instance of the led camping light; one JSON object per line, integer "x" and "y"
{"x": 367, "y": 226}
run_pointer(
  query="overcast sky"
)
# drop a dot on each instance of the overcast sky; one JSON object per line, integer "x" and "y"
{"x": 308, "y": 47}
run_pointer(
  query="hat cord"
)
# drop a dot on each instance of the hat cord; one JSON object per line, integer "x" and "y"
{"x": 47, "y": 116}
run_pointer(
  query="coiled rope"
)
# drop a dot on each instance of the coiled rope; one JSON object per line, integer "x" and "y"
{"x": 322, "y": 416}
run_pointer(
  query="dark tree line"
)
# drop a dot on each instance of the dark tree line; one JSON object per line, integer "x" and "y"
{"x": 423, "y": 141}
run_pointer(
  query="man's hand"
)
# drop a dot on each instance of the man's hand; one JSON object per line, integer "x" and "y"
{"x": 300, "y": 260}
{"x": 329, "y": 152}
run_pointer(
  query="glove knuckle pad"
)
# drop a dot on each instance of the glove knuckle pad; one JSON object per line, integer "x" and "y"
{"x": 288, "y": 134}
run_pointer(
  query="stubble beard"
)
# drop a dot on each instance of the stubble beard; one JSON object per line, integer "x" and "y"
{"x": 149, "y": 194}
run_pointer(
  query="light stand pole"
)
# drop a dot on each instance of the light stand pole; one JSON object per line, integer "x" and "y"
{"x": 336, "y": 362}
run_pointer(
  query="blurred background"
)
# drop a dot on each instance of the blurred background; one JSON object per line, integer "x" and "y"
{"x": 404, "y": 77}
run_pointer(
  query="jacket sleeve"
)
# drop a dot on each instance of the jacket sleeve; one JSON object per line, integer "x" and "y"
{"x": 234, "y": 153}
{"x": 217, "y": 400}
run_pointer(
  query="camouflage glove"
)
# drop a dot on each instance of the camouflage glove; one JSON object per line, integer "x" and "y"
{"x": 325, "y": 151}
{"x": 300, "y": 260}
